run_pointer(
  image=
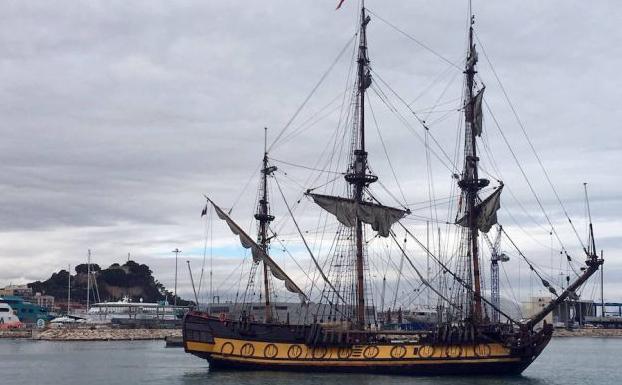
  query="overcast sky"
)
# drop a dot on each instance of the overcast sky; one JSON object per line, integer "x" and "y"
{"x": 117, "y": 116}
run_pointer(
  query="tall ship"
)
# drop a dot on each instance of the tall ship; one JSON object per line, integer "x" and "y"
{"x": 339, "y": 330}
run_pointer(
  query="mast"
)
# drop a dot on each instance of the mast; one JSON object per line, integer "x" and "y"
{"x": 470, "y": 182}
{"x": 264, "y": 218}
{"x": 591, "y": 249}
{"x": 68, "y": 288}
{"x": 88, "y": 280}
{"x": 176, "y": 251}
{"x": 357, "y": 175}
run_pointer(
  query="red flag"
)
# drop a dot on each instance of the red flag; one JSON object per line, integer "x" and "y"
{"x": 339, "y": 5}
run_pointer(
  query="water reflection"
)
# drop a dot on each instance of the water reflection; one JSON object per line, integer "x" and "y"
{"x": 571, "y": 361}
{"x": 204, "y": 376}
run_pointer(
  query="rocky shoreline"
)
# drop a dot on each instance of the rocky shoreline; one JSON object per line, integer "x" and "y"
{"x": 92, "y": 334}
{"x": 15, "y": 333}
{"x": 117, "y": 334}
{"x": 588, "y": 333}
{"x": 105, "y": 334}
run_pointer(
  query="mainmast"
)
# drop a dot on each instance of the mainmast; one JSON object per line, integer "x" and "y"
{"x": 264, "y": 218}
{"x": 357, "y": 175}
{"x": 470, "y": 182}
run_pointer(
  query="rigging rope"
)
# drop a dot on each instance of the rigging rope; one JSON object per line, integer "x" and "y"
{"x": 419, "y": 120}
{"x": 317, "y": 85}
{"x": 423, "y": 280}
{"x": 533, "y": 149}
{"x": 545, "y": 283}
{"x": 454, "y": 275}
{"x": 386, "y": 152}
{"x": 522, "y": 170}
{"x": 422, "y": 45}
{"x": 317, "y": 265}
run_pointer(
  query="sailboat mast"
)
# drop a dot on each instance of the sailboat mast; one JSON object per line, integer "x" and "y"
{"x": 470, "y": 182}
{"x": 358, "y": 176}
{"x": 88, "y": 280}
{"x": 264, "y": 218}
{"x": 68, "y": 287}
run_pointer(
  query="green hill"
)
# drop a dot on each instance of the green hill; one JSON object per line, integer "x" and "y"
{"x": 112, "y": 284}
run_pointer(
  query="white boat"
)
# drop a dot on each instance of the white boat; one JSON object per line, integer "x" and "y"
{"x": 8, "y": 319}
{"x": 104, "y": 312}
{"x": 67, "y": 320}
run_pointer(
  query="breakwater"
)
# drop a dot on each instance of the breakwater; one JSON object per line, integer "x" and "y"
{"x": 119, "y": 334}
{"x": 585, "y": 332}
{"x": 104, "y": 334}
{"x": 15, "y": 333}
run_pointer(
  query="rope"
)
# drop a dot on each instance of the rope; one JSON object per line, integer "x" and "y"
{"x": 454, "y": 275}
{"x": 422, "y": 45}
{"x": 386, "y": 152}
{"x": 533, "y": 149}
{"x": 317, "y": 265}
{"x": 317, "y": 85}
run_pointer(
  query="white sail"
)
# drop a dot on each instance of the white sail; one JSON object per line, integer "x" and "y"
{"x": 259, "y": 254}
{"x": 347, "y": 211}
{"x": 486, "y": 212}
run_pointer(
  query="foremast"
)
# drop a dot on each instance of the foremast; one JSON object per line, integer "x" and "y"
{"x": 358, "y": 175}
{"x": 264, "y": 218}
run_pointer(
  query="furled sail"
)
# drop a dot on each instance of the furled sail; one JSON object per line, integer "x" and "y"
{"x": 347, "y": 211}
{"x": 258, "y": 253}
{"x": 486, "y": 212}
{"x": 477, "y": 111}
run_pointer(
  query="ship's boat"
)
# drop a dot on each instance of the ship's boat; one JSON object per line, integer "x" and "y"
{"x": 471, "y": 334}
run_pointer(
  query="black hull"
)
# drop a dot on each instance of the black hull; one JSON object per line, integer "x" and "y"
{"x": 454, "y": 369}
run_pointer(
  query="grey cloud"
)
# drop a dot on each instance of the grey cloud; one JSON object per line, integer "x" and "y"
{"x": 117, "y": 116}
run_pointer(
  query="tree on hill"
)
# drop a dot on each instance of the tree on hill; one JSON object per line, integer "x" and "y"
{"x": 131, "y": 278}
{"x": 83, "y": 268}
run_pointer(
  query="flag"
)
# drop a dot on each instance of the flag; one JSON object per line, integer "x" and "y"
{"x": 204, "y": 211}
{"x": 339, "y": 5}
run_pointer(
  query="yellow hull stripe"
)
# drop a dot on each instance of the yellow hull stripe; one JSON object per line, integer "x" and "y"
{"x": 357, "y": 355}
{"x": 360, "y": 362}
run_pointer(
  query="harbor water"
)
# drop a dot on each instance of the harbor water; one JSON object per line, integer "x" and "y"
{"x": 566, "y": 361}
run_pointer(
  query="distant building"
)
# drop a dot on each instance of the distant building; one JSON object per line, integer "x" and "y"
{"x": 46, "y": 301}
{"x": 17, "y": 291}
{"x": 566, "y": 314}
{"x": 574, "y": 313}
{"x": 535, "y": 305}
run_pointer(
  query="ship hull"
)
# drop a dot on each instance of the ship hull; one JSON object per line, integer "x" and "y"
{"x": 283, "y": 348}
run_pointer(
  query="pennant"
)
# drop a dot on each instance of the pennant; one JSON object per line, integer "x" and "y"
{"x": 340, "y": 3}
{"x": 204, "y": 211}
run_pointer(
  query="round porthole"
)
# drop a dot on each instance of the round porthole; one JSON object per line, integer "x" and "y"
{"x": 270, "y": 351}
{"x": 344, "y": 353}
{"x": 426, "y": 351}
{"x": 227, "y": 348}
{"x": 398, "y": 351}
{"x": 294, "y": 351}
{"x": 319, "y": 352}
{"x": 371, "y": 352}
{"x": 247, "y": 350}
